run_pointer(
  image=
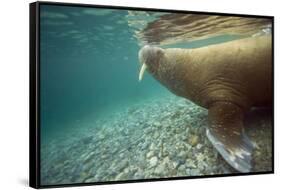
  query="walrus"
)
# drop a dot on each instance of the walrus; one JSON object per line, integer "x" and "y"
{"x": 228, "y": 79}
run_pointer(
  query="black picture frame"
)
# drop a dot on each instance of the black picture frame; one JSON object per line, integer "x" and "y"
{"x": 34, "y": 93}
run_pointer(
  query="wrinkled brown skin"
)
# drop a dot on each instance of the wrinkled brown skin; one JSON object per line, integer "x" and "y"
{"x": 227, "y": 79}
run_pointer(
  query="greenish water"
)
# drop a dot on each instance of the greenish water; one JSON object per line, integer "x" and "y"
{"x": 89, "y": 69}
{"x": 89, "y": 64}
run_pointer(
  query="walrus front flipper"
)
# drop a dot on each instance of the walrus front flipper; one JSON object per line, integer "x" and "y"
{"x": 226, "y": 133}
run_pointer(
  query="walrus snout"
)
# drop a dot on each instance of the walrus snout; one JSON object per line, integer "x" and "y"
{"x": 148, "y": 54}
{"x": 149, "y": 59}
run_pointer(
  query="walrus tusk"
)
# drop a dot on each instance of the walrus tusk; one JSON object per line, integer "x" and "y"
{"x": 142, "y": 70}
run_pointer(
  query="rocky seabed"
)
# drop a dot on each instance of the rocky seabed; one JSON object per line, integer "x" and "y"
{"x": 158, "y": 138}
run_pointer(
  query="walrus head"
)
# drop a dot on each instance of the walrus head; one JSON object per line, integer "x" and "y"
{"x": 150, "y": 57}
{"x": 164, "y": 68}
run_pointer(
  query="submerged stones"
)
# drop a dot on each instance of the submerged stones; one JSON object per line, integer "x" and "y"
{"x": 157, "y": 124}
{"x": 156, "y": 138}
{"x": 160, "y": 169}
{"x": 121, "y": 165}
{"x": 153, "y": 161}
{"x": 149, "y": 154}
{"x": 193, "y": 140}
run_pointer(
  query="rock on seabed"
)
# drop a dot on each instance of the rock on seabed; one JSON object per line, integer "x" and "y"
{"x": 162, "y": 137}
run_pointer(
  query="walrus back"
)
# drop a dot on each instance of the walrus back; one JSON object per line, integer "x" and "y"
{"x": 241, "y": 68}
{"x": 256, "y": 69}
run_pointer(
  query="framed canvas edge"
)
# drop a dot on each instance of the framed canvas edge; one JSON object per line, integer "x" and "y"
{"x": 34, "y": 112}
{"x": 34, "y": 94}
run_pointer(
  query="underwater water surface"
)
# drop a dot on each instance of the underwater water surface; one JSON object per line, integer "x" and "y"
{"x": 99, "y": 123}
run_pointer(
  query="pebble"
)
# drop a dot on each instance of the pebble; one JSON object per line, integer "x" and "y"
{"x": 121, "y": 176}
{"x": 153, "y": 161}
{"x": 181, "y": 168}
{"x": 139, "y": 175}
{"x": 156, "y": 135}
{"x": 149, "y": 154}
{"x": 152, "y": 146}
{"x": 199, "y": 146}
{"x": 121, "y": 165}
{"x": 190, "y": 163}
{"x": 160, "y": 169}
{"x": 166, "y": 160}
{"x": 193, "y": 140}
{"x": 175, "y": 164}
{"x": 157, "y": 124}
{"x": 102, "y": 136}
{"x": 194, "y": 172}
{"x": 183, "y": 154}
